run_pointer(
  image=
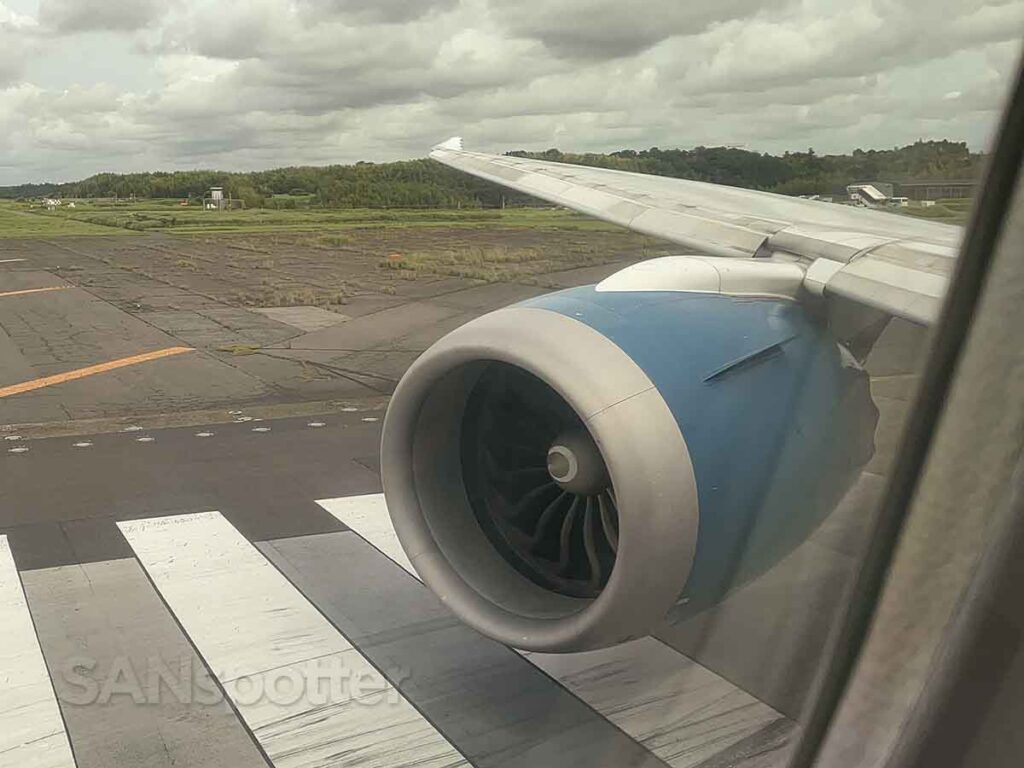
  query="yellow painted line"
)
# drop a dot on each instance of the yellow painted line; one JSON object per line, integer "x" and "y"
{"x": 35, "y": 290}
{"x": 92, "y": 370}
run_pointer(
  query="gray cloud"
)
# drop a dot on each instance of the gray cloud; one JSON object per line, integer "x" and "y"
{"x": 69, "y": 16}
{"x": 271, "y": 82}
{"x": 599, "y": 29}
{"x": 389, "y": 11}
{"x": 17, "y": 44}
{"x": 859, "y": 38}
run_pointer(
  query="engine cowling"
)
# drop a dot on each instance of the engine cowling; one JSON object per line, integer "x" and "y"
{"x": 567, "y": 472}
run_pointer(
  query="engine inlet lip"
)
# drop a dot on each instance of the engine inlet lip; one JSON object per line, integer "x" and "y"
{"x": 627, "y": 419}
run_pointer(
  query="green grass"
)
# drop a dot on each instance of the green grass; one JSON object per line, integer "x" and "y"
{"x": 329, "y": 225}
{"x": 945, "y": 211}
{"x": 108, "y": 217}
{"x": 168, "y": 216}
{"x": 492, "y": 264}
{"x": 18, "y": 221}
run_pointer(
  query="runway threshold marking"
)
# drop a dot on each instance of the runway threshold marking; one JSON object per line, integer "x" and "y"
{"x": 31, "y": 728}
{"x": 27, "y": 291}
{"x": 92, "y": 370}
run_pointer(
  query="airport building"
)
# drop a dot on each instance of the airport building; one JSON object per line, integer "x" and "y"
{"x": 938, "y": 190}
{"x": 879, "y": 193}
{"x": 871, "y": 194}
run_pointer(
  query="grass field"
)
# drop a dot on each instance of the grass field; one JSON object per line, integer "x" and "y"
{"x": 16, "y": 221}
{"x": 170, "y": 217}
{"x": 270, "y": 258}
{"x": 325, "y": 257}
{"x": 945, "y": 211}
{"x": 495, "y": 263}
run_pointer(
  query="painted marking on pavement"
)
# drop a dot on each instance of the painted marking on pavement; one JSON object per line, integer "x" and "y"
{"x": 306, "y": 693}
{"x": 31, "y": 728}
{"x": 368, "y": 516}
{"x": 11, "y": 261}
{"x": 27, "y": 291}
{"x": 92, "y": 370}
{"x": 659, "y": 697}
{"x": 142, "y": 698}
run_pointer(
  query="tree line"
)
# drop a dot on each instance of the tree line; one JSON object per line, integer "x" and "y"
{"x": 793, "y": 173}
{"x": 428, "y": 184}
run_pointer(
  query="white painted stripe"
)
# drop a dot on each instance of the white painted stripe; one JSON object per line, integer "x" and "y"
{"x": 681, "y": 711}
{"x": 32, "y": 731}
{"x": 310, "y": 698}
{"x": 11, "y": 261}
{"x": 368, "y": 516}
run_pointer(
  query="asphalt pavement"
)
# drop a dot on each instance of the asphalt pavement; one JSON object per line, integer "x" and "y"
{"x": 178, "y": 475}
{"x": 61, "y": 496}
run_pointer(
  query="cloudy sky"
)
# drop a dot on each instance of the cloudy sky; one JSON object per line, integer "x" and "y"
{"x": 123, "y": 85}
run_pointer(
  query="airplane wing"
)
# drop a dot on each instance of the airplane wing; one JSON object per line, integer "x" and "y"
{"x": 898, "y": 264}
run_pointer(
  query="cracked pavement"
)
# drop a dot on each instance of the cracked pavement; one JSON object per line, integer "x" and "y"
{"x": 108, "y": 307}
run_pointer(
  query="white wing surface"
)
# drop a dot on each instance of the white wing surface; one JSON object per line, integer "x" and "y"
{"x": 883, "y": 260}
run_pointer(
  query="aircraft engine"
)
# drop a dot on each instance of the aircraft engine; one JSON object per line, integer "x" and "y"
{"x": 568, "y": 472}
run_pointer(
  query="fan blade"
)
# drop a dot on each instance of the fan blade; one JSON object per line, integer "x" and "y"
{"x": 506, "y": 451}
{"x": 609, "y": 519}
{"x": 550, "y": 513}
{"x": 529, "y": 501}
{"x": 589, "y": 545}
{"x": 557, "y": 538}
{"x": 565, "y": 536}
{"x": 540, "y": 473}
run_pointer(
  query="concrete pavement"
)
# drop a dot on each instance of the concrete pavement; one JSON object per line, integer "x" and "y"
{"x": 99, "y": 312}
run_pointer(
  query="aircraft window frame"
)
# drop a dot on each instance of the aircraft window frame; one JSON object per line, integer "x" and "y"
{"x": 978, "y": 252}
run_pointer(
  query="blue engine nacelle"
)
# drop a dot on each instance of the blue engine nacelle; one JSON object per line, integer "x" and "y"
{"x": 567, "y": 473}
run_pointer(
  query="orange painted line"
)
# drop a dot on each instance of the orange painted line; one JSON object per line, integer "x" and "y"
{"x": 35, "y": 290}
{"x": 92, "y": 370}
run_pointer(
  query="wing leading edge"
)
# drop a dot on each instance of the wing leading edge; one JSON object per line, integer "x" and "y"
{"x": 897, "y": 264}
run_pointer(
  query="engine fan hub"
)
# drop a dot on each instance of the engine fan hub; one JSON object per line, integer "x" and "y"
{"x": 575, "y": 464}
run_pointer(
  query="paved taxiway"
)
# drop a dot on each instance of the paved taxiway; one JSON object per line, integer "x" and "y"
{"x": 125, "y": 565}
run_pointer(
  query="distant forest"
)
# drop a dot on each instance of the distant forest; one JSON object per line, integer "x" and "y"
{"x": 428, "y": 184}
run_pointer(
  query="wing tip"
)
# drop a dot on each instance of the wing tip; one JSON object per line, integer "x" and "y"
{"x": 454, "y": 143}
